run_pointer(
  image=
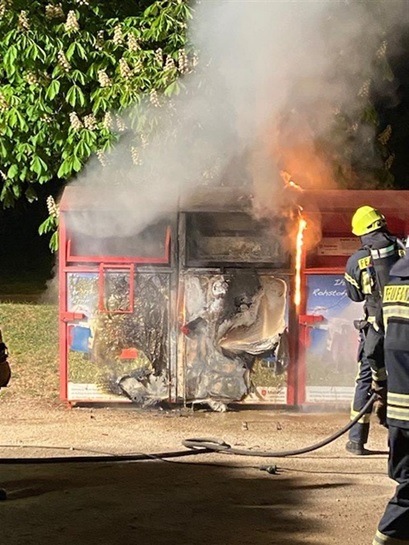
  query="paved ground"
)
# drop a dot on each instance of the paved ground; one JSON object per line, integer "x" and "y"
{"x": 327, "y": 497}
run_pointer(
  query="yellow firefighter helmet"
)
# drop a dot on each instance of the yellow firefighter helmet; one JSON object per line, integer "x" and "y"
{"x": 367, "y": 219}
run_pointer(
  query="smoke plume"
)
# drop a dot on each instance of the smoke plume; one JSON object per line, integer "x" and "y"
{"x": 280, "y": 86}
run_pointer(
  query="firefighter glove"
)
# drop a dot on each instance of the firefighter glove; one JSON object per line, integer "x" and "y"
{"x": 379, "y": 388}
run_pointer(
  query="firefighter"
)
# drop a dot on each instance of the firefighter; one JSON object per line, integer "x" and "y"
{"x": 4, "y": 380}
{"x": 367, "y": 272}
{"x": 4, "y": 364}
{"x": 394, "y": 525}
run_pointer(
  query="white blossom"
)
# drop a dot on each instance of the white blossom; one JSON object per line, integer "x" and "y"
{"x": 99, "y": 40}
{"x": 385, "y": 135}
{"x": 23, "y": 22}
{"x": 389, "y": 161}
{"x": 169, "y": 64}
{"x": 31, "y": 78}
{"x": 124, "y": 69}
{"x": 183, "y": 62}
{"x": 75, "y": 121}
{"x": 144, "y": 140}
{"x": 3, "y": 7}
{"x": 118, "y": 36}
{"x": 120, "y": 123}
{"x": 3, "y": 102}
{"x": 108, "y": 121}
{"x": 52, "y": 207}
{"x": 159, "y": 56}
{"x": 135, "y": 156}
{"x": 102, "y": 158}
{"x": 132, "y": 43}
{"x": 364, "y": 90}
{"x": 103, "y": 78}
{"x": 71, "y": 24}
{"x": 90, "y": 122}
{"x": 382, "y": 50}
{"x": 62, "y": 59}
{"x": 154, "y": 99}
{"x": 54, "y": 11}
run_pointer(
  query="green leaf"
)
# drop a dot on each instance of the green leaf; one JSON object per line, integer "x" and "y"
{"x": 81, "y": 51}
{"x": 53, "y": 89}
{"x": 71, "y": 96}
{"x": 172, "y": 89}
{"x": 70, "y": 51}
{"x": 36, "y": 165}
{"x": 12, "y": 118}
{"x": 23, "y": 173}
{"x": 65, "y": 168}
{"x": 54, "y": 242}
{"x": 31, "y": 194}
{"x": 46, "y": 226}
{"x": 16, "y": 190}
{"x": 80, "y": 97}
{"x": 12, "y": 171}
{"x": 9, "y": 59}
{"x": 76, "y": 164}
{"x": 77, "y": 75}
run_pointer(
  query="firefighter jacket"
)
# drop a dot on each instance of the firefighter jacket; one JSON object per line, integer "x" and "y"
{"x": 367, "y": 271}
{"x": 396, "y": 345}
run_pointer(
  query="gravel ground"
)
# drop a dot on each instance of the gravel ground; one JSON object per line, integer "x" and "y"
{"x": 326, "y": 497}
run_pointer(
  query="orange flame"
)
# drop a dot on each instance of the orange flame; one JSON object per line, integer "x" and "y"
{"x": 288, "y": 180}
{"x": 302, "y": 225}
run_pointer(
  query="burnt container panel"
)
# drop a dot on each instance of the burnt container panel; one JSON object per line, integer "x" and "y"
{"x": 235, "y": 239}
{"x": 235, "y": 345}
{"x": 234, "y": 286}
{"x": 119, "y": 344}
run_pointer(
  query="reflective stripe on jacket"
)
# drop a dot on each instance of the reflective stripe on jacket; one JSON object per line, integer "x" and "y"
{"x": 396, "y": 346}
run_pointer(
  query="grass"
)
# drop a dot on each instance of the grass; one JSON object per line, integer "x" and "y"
{"x": 31, "y": 334}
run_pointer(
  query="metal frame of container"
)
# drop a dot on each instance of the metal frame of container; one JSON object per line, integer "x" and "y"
{"x": 333, "y": 207}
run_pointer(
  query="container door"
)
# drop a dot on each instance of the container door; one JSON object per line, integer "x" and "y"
{"x": 233, "y": 340}
{"x": 330, "y": 339}
{"x": 118, "y": 335}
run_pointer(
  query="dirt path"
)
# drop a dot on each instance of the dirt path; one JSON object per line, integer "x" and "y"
{"x": 328, "y": 497}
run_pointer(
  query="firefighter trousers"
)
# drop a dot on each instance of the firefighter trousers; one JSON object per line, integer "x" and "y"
{"x": 393, "y": 528}
{"x": 360, "y": 431}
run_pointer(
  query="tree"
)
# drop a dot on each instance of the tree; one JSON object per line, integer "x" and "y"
{"x": 365, "y": 158}
{"x": 67, "y": 66}
{"x": 350, "y": 140}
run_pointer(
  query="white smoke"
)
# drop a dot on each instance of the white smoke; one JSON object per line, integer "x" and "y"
{"x": 271, "y": 77}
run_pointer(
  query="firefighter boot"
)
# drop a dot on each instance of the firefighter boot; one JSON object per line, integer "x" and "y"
{"x": 356, "y": 448}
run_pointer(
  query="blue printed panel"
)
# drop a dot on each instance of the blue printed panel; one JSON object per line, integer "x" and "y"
{"x": 331, "y": 357}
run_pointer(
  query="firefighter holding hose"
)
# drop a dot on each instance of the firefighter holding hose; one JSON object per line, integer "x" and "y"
{"x": 367, "y": 272}
{"x": 394, "y": 525}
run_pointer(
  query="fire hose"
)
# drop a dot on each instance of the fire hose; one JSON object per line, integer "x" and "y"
{"x": 196, "y": 446}
{"x": 215, "y": 445}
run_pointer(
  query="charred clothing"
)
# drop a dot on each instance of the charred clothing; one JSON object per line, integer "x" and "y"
{"x": 394, "y": 525}
{"x": 367, "y": 272}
